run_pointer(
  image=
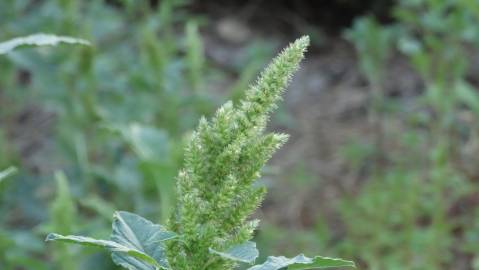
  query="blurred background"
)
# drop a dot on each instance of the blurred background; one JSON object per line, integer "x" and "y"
{"x": 382, "y": 164}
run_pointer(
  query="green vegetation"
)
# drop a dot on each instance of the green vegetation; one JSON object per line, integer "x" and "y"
{"x": 105, "y": 120}
{"x": 216, "y": 192}
{"x": 412, "y": 200}
{"x": 115, "y": 106}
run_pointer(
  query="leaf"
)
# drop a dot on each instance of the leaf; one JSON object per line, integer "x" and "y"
{"x": 467, "y": 94}
{"x": 112, "y": 246}
{"x": 99, "y": 205}
{"x": 135, "y": 242}
{"x": 138, "y": 233}
{"x": 323, "y": 262}
{"x": 39, "y": 39}
{"x": 148, "y": 142}
{"x": 245, "y": 252}
{"x": 7, "y": 172}
{"x": 86, "y": 241}
{"x": 63, "y": 210}
{"x": 301, "y": 262}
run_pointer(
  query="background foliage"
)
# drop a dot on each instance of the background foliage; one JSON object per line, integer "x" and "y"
{"x": 93, "y": 129}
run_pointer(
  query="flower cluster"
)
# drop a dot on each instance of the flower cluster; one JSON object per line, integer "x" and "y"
{"x": 215, "y": 190}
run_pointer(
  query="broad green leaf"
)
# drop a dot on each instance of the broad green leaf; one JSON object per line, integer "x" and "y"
{"x": 112, "y": 246}
{"x": 301, "y": 262}
{"x": 137, "y": 233}
{"x": 7, "y": 172}
{"x": 39, "y": 40}
{"x": 136, "y": 243}
{"x": 245, "y": 252}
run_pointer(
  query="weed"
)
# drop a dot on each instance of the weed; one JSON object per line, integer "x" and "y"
{"x": 216, "y": 192}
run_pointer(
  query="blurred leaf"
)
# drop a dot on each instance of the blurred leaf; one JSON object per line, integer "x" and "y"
{"x": 7, "y": 172}
{"x": 468, "y": 94}
{"x": 63, "y": 208}
{"x": 99, "y": 205}
{"x": 63, "y": 219}
{"x": 148, "y": 142}
{"x": 246, "y": 252}
{"x": 301, "y": 262}
{"x": 39, "y": 40}
{"x": 409, "y": 46}
{"x": 194, "y": 55}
